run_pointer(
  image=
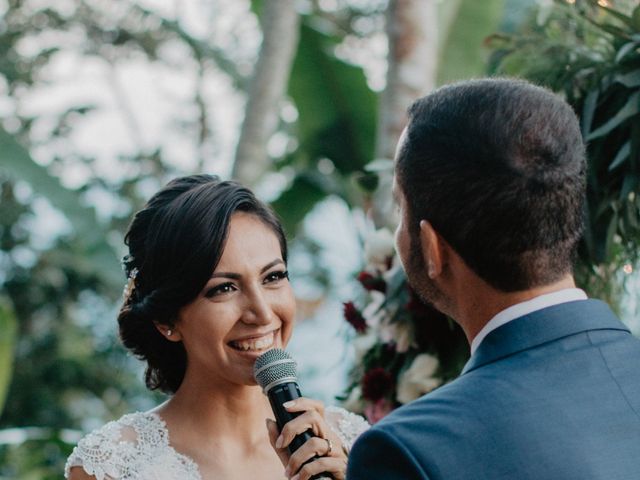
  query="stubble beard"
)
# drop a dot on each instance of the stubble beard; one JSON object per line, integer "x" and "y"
{"x": 418, "y": 278}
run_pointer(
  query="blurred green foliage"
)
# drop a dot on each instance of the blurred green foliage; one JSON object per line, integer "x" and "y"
{"x": 57, "y": 318}
{"x": 7, "y": 340}
{"x": 336, "y": 124}
{"x": 464, "y": 54}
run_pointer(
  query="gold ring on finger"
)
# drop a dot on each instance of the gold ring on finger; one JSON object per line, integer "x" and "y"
{"x": 329, "y": 446}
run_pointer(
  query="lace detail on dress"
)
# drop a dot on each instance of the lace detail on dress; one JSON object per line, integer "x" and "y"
{"x": 134, "y": 447}
{"x": 137, "y": 447}
{"x": 348, "y": 426}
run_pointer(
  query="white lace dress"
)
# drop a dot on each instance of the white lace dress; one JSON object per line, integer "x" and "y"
{"x": 137, "y": 447}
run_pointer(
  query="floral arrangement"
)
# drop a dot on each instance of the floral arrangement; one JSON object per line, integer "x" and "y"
{"x": 403, "y": 347}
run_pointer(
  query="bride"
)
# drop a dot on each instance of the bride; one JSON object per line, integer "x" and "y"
{"x": 208, "y": 292}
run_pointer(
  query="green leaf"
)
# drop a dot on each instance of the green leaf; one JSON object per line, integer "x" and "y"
{"x": 16, "y": 160}
{"x": 632, "y": 107}
{"x": 590, "y": 103}
{"x": 611, "y": 231}
{"x": 256, "y": 7}
{"x": 629, "y": 185}
{"x": 588, "y": 237}
{"x": 619, "y": 15}
{"x": 499, "y": 41}
{"x": 634, "y": 160}
{"x": 631, "y": 217}
{"x": 629, "y": 80}
{"x": 625, "y": 50}
{"x": 8, "y": 327}
{"x": 621, "y": 156}
{"x": 613, "y": 30}
{"x": 337, "y": 110}
{"x": 635, "y": 18}
{"x": 294, "y": 203}
{"x": 464, "y": 54}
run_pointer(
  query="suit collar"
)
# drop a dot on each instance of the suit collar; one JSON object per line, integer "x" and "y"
{"x": 543, "y": 326}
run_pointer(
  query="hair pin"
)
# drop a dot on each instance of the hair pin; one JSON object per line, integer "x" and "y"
{"x": 131, "y": 285}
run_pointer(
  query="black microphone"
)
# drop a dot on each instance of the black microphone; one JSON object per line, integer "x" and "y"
{"x": 275, "y": 372}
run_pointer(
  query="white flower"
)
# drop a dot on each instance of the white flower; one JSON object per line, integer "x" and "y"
{"x": 400, "y": 333}
{"x": 418, "y": 379}
{"x": 378, "y": 248}
{"x": 374, "y": 315}
{"x": 403, "y": 336}
{"x": 354, "y": 402}
{"x": 362, "y": 344}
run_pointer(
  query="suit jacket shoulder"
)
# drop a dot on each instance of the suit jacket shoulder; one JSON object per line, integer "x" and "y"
{"x": 554, "y": 394}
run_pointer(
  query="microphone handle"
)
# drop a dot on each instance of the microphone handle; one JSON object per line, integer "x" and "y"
{"x": 280, "y": 394}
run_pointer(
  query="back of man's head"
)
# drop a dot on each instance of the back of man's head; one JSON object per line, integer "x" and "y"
{"x": 497, "y": 166}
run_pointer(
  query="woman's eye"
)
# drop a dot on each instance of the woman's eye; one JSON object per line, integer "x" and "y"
{"x": 220, "y": 289}
{"x": 276, "y": 276}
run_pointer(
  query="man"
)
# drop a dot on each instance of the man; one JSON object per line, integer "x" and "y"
{"x": 490, "y": 182}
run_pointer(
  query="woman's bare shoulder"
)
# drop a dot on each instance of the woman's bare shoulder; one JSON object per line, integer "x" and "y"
{"x": 78, "y": 473}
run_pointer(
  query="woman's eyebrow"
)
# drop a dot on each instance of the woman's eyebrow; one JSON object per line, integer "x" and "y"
{"x": 271, "y": 264}
{"x": 237, "y": 276}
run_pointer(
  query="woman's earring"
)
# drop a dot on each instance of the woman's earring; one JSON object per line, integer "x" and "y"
{"x": 169, "y": 332}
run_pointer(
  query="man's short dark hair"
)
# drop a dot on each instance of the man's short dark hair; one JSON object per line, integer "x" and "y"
{"x": 497, "y": 166}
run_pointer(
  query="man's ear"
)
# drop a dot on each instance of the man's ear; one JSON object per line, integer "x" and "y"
{"x": 432, "y": 249}
{"x": 168, "y": 331}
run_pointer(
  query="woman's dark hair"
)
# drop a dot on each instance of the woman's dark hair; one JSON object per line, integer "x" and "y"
{"x": 175, "y": 243}
{"x": 498, "y": 168}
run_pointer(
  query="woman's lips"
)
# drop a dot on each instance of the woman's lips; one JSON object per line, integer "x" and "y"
{"x": 256, "y": 344}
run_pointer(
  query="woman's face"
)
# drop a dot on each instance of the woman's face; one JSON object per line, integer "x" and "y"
{"x": 246, "y": 308}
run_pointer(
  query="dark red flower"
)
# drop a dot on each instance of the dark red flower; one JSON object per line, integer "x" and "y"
{"x": 354, "y": 317}
{"x": 371, "y": 282}
{"x": 376, "y": 384}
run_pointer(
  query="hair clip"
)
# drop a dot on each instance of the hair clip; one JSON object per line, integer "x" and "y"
{"x": 131, "y": 285}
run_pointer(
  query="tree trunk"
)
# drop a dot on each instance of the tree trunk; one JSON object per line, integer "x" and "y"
{"x": 412, "y": 30}
{"x": 281, "y": 30}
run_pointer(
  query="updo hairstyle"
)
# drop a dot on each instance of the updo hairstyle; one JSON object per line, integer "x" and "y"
{"x": 175, "y": 243}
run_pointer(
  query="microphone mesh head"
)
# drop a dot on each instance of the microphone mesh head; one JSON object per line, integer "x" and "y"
{"x": 274, "y": 365}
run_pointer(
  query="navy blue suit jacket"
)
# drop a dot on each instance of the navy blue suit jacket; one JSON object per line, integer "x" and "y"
{"x": 553, "y": 395}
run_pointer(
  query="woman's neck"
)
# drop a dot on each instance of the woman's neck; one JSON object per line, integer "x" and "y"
{"x": 235, "y": 412}
{"x": 222, "y": 430}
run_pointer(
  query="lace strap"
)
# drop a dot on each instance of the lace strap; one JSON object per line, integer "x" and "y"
{"x": 348, "y": 426}
{"x": 136, "y": 447}
{"x": 98, "y": 453}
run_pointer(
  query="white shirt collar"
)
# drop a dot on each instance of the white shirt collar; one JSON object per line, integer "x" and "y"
{"x": 520, "y": 309}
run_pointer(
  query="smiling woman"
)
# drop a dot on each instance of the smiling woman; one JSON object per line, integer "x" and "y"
{"x": 208, "y": 292}
{"x": 245, "y": 308}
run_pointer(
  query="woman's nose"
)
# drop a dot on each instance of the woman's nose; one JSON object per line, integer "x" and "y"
{"x": 258, "y": 310}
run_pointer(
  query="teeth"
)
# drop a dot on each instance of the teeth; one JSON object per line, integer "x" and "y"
{"x": 254, "y": 344}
